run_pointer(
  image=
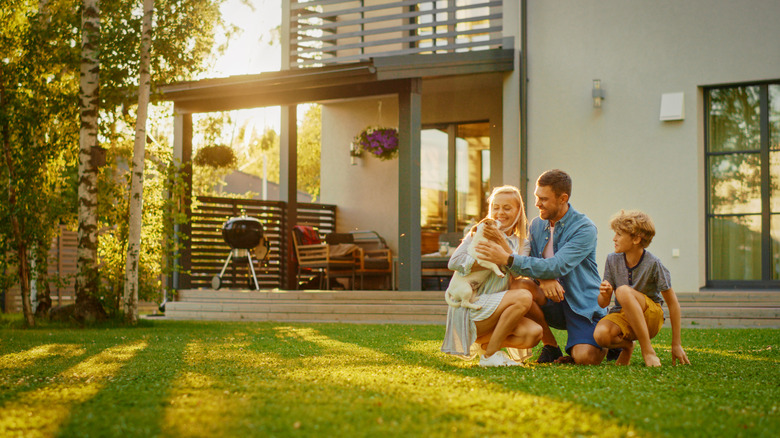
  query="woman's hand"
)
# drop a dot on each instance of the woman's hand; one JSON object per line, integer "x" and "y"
{"x": 494, "y": 234}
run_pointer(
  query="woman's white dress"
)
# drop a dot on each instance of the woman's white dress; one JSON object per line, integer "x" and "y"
{"x": 461, "y": 333}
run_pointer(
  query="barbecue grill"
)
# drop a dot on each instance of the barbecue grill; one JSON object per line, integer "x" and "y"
{"x": 243, "y": 234}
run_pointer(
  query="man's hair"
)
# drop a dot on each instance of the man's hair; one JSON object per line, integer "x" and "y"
{"x": 558, "y": 180}
{"x": 634, "y": 223}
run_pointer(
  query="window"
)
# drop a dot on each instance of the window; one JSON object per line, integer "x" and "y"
{"x": 457, "y": 164}
{"x": 743, "y": 185}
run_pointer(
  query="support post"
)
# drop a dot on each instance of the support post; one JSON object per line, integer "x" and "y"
{"x": 182, "y": 155}
{"x": 409, "y": 125}
{"x": 288, "y": 187}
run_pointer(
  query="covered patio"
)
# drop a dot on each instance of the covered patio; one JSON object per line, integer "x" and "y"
{"x": 394, "y": 76}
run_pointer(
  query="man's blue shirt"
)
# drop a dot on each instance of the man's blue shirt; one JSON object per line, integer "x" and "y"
{"x": 574, "y": 262}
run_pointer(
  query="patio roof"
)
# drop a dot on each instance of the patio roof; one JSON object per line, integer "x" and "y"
{"x": 375, "y": 77}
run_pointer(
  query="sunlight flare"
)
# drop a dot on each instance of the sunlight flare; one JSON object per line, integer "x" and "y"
{"x": 26, "y": 358}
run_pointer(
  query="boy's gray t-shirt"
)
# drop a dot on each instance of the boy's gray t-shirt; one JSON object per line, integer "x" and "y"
{"x": 649, "y": 276}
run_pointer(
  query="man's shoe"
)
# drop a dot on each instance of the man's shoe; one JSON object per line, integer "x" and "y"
{"x": 549, "y": 354}
{"x": 613, "y": 353}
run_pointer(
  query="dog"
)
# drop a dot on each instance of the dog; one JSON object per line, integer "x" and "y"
{"x": 462, "y": 287}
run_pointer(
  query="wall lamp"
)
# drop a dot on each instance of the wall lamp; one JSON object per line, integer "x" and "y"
{"x": 598, "y": 93}
{"x": 354, "y": 153}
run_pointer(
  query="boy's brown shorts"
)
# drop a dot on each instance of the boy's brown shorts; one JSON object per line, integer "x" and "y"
{"x": 654, "y": 317}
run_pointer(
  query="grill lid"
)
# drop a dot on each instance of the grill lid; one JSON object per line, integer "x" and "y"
{"x": 242, "y": 232}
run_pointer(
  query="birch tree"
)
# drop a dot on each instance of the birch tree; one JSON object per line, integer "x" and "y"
{"x": 137, "y": 178}
{"x": 87, "y": 306}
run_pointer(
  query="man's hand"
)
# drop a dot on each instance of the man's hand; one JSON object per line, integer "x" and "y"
{"x": 678, "y": 354}
{"x": 491, "y": 251}
{"x": 552, "y": 289}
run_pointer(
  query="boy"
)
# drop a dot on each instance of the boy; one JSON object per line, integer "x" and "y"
{"x": 639, "y": 279}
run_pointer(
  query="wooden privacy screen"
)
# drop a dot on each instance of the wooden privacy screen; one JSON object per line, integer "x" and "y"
{"x": 209, "y": 250}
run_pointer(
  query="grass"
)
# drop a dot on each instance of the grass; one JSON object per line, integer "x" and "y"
{"x": 167, "y": 378}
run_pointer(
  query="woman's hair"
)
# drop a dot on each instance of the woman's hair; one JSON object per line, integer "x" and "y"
{"x": 634, "y": 223}
{"x": 519, "y": 226}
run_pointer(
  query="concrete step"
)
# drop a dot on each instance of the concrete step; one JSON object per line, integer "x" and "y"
{"x": 699, "y": 309}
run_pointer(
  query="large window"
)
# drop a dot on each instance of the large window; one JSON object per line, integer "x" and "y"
{"x": 455, "y": 177}
{"x": 743, "y": 176}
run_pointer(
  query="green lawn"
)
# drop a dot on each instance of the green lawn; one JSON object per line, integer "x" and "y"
{"x": 174, "y": 379}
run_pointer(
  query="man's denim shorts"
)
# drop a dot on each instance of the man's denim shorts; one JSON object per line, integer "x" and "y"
{"x": 579, "y": 328}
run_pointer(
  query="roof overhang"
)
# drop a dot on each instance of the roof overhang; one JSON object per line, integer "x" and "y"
{"x": 375, "y": 77}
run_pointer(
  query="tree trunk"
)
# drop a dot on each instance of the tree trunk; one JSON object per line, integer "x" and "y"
{"x": 16, "y": 227}
{"x": 44, "y": 288}
{"x": 137, "y": 177}
{"x": 87, "y": 275}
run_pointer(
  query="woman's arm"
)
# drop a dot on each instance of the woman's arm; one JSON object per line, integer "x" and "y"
{"x": 461, "y": 261}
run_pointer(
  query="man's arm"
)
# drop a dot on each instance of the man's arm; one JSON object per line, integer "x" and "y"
{"x": 675, "y": 316}
{"x": 568, "y": 256}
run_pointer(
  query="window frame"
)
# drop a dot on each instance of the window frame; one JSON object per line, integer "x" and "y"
{"x": 766, "y": 281}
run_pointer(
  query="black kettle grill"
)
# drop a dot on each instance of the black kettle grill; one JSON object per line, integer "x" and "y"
{"x": 243, "y": 234}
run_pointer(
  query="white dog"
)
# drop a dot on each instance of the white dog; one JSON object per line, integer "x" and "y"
{"x": 462, "y": 287}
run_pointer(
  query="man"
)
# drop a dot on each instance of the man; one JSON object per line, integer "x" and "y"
{"x": 563, "y": 262}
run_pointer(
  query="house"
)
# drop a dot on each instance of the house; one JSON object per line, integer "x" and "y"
{"x": 669, "y": 107}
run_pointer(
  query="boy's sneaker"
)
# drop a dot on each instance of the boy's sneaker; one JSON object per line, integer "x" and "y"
{"x": 613, "y": 353}
{"x": 498, "y": 359}
{"x": 549, "y": 354}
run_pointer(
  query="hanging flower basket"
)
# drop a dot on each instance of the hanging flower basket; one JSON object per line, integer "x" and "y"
{"x": 379, "y": 142}
{"x": 216, "y": 156}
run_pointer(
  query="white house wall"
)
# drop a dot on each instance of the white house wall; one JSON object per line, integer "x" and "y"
{"x": 621, "y": 156}
{"x": 367, "y": 194}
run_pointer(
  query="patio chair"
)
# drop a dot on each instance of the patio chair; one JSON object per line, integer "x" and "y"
{"x": 373, "y": 258}
{"x": 314, "y": 256}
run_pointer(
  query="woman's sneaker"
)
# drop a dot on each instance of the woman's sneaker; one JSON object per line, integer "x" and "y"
{"x": 549, "y": 354}
{"x": 498, "y": 359}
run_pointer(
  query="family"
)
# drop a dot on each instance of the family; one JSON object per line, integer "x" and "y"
{"x": 552, "y": 280}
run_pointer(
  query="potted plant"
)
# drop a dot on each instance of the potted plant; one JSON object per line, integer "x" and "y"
{"x": 379, "y": 142}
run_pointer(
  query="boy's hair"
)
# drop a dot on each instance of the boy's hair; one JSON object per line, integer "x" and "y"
{"x": 558, "y": 180}
{"x": 634, "y": 223}
{"x": 520, "y": 226}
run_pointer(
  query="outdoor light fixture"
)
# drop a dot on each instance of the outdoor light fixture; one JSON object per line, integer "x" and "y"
{"x": 354, "y": 153}
{"x": 598, "y": 93}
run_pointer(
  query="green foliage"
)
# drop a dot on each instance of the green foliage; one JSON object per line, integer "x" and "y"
{"x": 266, "y": 146}
{"x": 162, "y": 197}
{"x": 40, "y": 60}
{"x": 291, "y": 379}
{"x": 39, "y": 123}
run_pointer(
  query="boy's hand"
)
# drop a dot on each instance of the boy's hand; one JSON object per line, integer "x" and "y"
{"x": 605, "y": 289}
{"x": 678, "y": 354}
{"x": 605, "y": 294}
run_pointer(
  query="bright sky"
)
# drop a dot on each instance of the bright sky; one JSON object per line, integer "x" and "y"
{"x": 250, "y": 51}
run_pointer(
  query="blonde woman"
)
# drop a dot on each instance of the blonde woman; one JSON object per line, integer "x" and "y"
{"x": 501, "y": 320}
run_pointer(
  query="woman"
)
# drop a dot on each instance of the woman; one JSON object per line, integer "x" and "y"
{"x": 501, "y": 321}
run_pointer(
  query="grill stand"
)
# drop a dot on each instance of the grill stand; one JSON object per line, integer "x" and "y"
{"x": 216, "y": 281}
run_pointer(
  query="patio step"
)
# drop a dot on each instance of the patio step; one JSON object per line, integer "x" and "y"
{"x": 729, "y": 309}
{"x": 376, "y": 307}
{"x": 722, "y": 309}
